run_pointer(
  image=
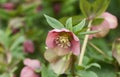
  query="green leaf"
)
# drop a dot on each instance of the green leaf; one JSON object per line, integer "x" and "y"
{"x": 97, "y": 21}
{"x": 88, "y": 32}
{"x": 80, "y": 67}
{"x": 100, "y": 6}
{"x": 75, "y": 19}
{"x": 86, "y": 60}
{"x": 94, "y": 8}
{"x": 17, "y": 43}
{"x": 94, "y": 54}
{"x": 3, "y": 1}
{"x": 69, "y": 23}
{"x": 92, "y": 64}
{"x": 79, "y": 26}
{"x": 85, "y": 7}
{"x": 5, "y": 75}
{"x": 4, "y": 39}
{"x": 53, "y": 22}
{"x": 47, "y": 72}
{"x": 107, "y": 70}
{"x": 18, "y": 50}
{"x": 28, "y": 10}
{"x": 4, "y": 14}
{"x": 86, "y": 74}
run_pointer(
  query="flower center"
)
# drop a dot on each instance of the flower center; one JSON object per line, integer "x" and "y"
{"x": 63, "y": 42}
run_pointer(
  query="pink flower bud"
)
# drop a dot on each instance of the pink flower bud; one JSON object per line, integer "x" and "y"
{"x": 110, "y": 22}
{"x": 28, "y": 46}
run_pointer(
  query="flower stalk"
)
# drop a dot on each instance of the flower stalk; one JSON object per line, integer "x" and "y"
{"x": 84, "y": 45}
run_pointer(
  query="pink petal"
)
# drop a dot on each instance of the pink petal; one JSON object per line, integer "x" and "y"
{"x": 32, "y": 63}
{"x": 75, "y": 45}
{"x": 28, "y": 72}
{"x": 52, "y": 35}
{"x": 112, "y": 20}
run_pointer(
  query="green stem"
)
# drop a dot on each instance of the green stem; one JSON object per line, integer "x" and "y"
{"x": 84, "y": 45}
{"x": 99, "y": 50}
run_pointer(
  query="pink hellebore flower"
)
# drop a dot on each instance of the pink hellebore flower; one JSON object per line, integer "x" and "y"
{"x": 28, "y": 72}
{"x": 110, "y": 22}
{"x": 31, "y": 65}
{"x": 63, "y": 42}
{"x": 34, "y": 64}
{"x": 111, "y": 19}
{"x": 28, "y": 46}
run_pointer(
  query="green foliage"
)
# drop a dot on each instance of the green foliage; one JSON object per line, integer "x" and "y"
{"x": 75, "y": 19}
{"x": 107, "y": 70}
{"x": 69, "y": 24}
{"x": 3, "y": 1}
{"x": 87, "y": 74}
{"x": 4, "y": 14}
{"x": 93, "y": 64}
{"x": 79, "y": 26}
{"x": 93, "y": 9}
{"x": 47, "y": 72}
{"x": 53, "y": 22}
{"x": 4, "y": 39}
{"x": 98, "y": 60}
{"x": 97, "y": 21}
{"x": 16, "y": 43}
{"x": 95, "y": 54}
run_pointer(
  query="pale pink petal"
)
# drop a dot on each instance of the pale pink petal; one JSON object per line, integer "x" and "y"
{"x": 112, "y": 20}
{"x": 32, "y": 63}
{"x": 60, "y": 66}
{"x": 75, "y": 45}
{"x": 51, "y": 56}
{"x": 28, "y": 72}
{"x": 60, "y": 30}
{"x": 61, "y": 51}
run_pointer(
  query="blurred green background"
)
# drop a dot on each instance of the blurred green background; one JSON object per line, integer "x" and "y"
{"x": 25, "y": 18}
